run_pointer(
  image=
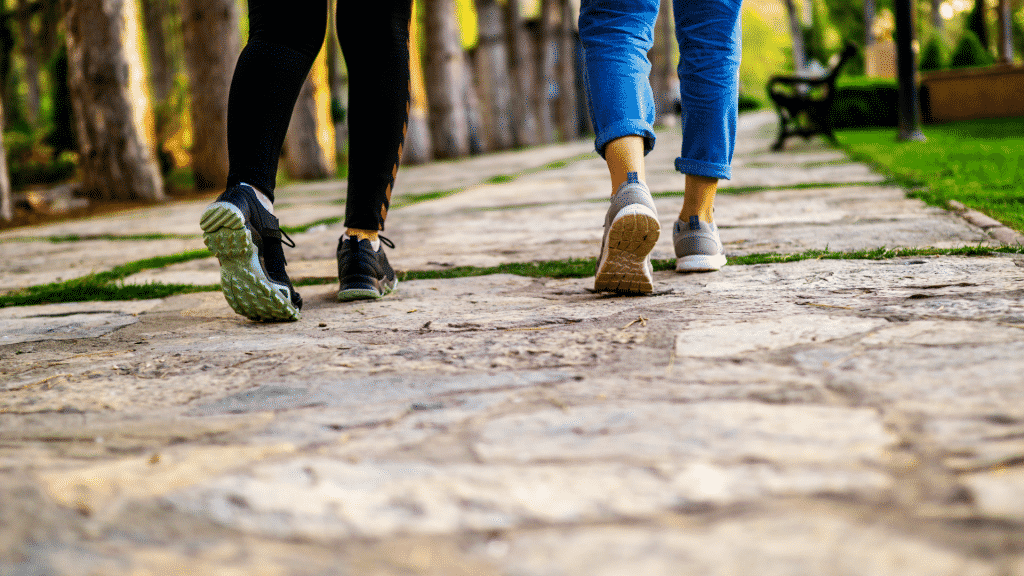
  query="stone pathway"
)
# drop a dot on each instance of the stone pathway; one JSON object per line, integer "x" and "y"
{"x": 820, "y": 417}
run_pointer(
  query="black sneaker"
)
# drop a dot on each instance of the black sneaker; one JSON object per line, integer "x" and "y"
{"x": 247, "y": 241}
{"x": 364, "y": 273}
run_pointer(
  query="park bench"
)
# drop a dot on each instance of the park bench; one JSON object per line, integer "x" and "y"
{"x": 804, "y": 101}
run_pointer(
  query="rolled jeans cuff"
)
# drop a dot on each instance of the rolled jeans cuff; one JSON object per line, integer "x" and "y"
{"x": 706, "y": 169}
{"x": 625, "y": 128}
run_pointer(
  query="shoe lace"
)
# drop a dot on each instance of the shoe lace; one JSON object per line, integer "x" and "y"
{"x": 284, "y": 236}
{"x": 386, "y": 241}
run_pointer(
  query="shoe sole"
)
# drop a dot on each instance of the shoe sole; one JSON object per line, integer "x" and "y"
{"x": 364, "y": 293}
{"x": 624, "y": 264}
{"x": 246, "y": 287}
{"x": 700, "y": 263}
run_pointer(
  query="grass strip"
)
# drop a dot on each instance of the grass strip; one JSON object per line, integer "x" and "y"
{"x": 104, "y": 286}
{"x": 305, "y": 227}
{"x": 978, "y": 162}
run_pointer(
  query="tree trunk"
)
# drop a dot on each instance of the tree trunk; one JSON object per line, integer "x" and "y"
{"x": 492, "y": 77}
{"x": 869, "y": 23}
{"x": 337, "y": 79}
{"x": 546, "y": 83}
{"x": 110, "y": 101}
{"x": 522, "y": 66}
{"x": 416, "y": 149}
{"x": 161, "y": 72}
{"x": 50, "y": 30}
{"x": 309, "y": 144}
{"x": 568, "y": 119}
{"x": 449, "y": 128}
{"x": 6, "y": 210}
{"x": 664, "y": 80}
{"x": 210, "y": 31}
{"x": 797, "y": 35}
{"x": 936, "y": 13}
{"x": 31, "y": 58}
{"x": 1005, "y": 32}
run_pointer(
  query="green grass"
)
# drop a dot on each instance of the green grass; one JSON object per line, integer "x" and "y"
{"x": 979, "y": 163}
{"x": 104, "y": 286}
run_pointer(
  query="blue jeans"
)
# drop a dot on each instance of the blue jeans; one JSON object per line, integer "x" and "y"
{"x": 617, "y": 34}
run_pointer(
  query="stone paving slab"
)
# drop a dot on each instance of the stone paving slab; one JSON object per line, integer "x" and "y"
{"x": 815, "y": 417}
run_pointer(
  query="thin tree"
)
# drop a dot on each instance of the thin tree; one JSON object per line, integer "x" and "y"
{"x": 417, "y": 148}
{"x": 663, "y": 73}
{"x": 568, "y": 117}
{"x": 309, "y": 143}
{"x": 110, "y": 101}
{"x": 161, "y": 65}
{"x": 30, "y": 56}
{"x": 210, "y": 30}
{"x": 796, "y": 32}
{"x": 1005, "y": 32}
{"x": 522, "y": 65}
{"x": 547, "y": 50}
{"x": 6, "y": 210}
{"x": 492, "y": 77}
{"x": 445, "y": 79}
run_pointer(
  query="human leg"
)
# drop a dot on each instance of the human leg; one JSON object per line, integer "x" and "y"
{"x": 374, "y": 38}
{"x": 709, "y": 36}
{"x": 240, "y": 228}
{"x": 616, "y": 35}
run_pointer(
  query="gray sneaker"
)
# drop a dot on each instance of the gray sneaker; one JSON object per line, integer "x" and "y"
{"x": 631, "y": 229}
{"x": 698, "y": 248}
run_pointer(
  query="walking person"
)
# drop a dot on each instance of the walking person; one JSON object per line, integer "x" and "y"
{"x": 616, "y": 35}
{"x": 240, "y": 227}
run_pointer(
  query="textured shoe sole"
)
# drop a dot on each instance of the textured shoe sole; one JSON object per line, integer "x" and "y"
{"x": 246, "y": 287}
{"x": 624, "y": 264}
{"x": 364, "y": 293}
{"x": 700, "y": 263}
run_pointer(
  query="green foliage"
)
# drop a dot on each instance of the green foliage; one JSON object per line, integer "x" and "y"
{"x": 933, "y": 56}
{"x": 765, "y": 49}
{"x": 979, "y": 163}
{"x": 970, "y": 52}
{"x": 861, "y": 102}
{"x": 976, "y": 23}
{"x": 62, "y": 134}
{"x": 847, "y": 16}
{"x": 749, "y": 103}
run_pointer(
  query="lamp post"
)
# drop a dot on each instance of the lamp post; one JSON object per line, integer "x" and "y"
{"x": 906, "y": 71}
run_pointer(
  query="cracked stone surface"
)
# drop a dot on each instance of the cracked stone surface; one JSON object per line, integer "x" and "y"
{"x": 815, "y": 417}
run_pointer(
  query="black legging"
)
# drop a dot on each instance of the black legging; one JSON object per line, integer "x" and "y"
{"x": 285, "y": 37}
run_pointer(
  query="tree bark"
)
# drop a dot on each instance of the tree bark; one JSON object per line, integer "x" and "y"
{"x": 568, "y": 118}
{"x": 522, "y": 66}
{"x": 210, "y": 30}
{"x": 110, "y": 101}
{"x": 161, "y": 70}
{"x": 869, "y": 23}
{"x": 309, "y": 143}
{"x": 1005, "y": 32}
{"x": 546, "y": 83}
{"x": 445, "y": 75}
{"x": 31, "y": 57}
{"x": 6, "y": 210}
{"x": 492, "y": 77}
{"x": 797, "y": 35}
{"x": 936, "y": 14}
{"x": 663, "y": 74}
{"x": 416, "y": 149}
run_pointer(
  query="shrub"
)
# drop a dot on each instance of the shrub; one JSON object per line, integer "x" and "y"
{"x": 748, "y": 103}
{"x": 933, "y": 57}
{"x": 970, "y": 53}
{"x": 862, "y": 102}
